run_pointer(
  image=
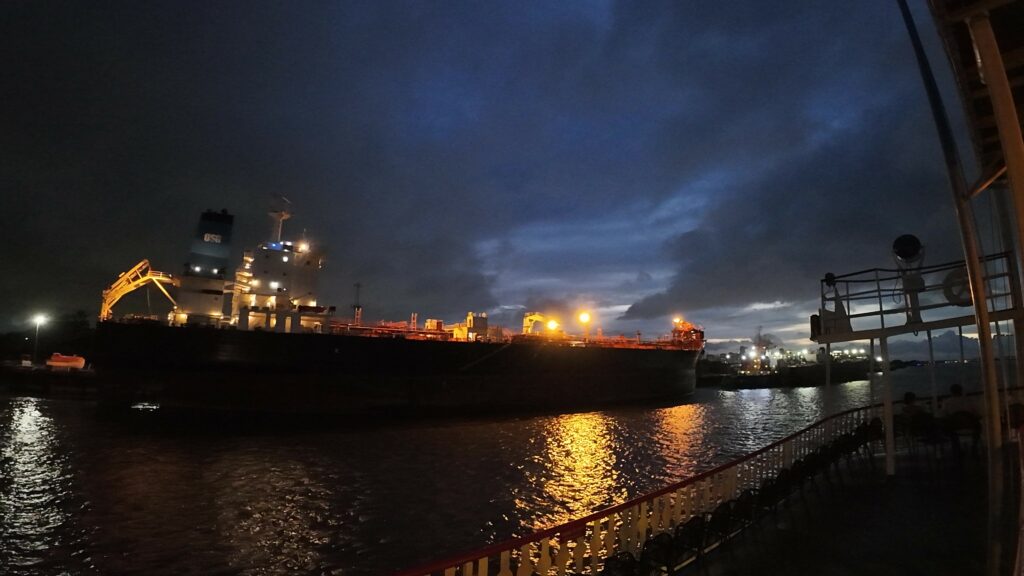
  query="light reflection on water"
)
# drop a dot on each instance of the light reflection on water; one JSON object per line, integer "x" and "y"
{"x": 579, "y": 468}
{"x": 81, "y": 493}
{"x": 33, "y": 484}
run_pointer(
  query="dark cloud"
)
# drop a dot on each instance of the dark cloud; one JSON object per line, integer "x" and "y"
{"x": 650, "y": 157}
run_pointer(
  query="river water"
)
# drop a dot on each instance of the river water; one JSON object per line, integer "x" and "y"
{"x": 86, "y": 492}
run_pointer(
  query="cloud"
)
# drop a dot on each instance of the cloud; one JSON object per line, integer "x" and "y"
{"x": 756, "y": 306}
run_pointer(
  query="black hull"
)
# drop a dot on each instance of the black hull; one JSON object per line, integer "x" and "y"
{"x": 263, "y": 371}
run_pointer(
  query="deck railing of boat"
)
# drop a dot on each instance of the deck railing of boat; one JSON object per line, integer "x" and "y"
{"x": 866, "y": 300}
{"x": 674, "y": 526}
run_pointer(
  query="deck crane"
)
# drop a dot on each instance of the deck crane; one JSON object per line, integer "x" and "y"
{"x": 138, "y": 276}
{"x": 531, "y": 318}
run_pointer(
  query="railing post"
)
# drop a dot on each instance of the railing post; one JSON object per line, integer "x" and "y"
{"x": 871, "y": 359}
{"x": 931, "y": 375}
{"x": 828, "y": 364}
{"x": 887, "y": 411}
{"x": 881, "y": 307}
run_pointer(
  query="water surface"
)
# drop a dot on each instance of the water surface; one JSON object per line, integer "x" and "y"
{"x": 85, "y": 492}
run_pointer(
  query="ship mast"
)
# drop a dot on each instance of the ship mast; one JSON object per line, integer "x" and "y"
{"x": 280, "y": 215}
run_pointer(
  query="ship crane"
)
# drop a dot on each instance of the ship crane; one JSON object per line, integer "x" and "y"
{"x": 138, "y": 276}
{"x": 531, "y": 318}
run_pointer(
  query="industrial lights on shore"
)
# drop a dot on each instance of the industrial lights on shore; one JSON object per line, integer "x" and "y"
{"x": 552, "y": 325}
{"x": 584, "y": 317}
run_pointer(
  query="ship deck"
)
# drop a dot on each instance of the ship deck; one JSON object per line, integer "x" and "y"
{"x": 930, "y": 518}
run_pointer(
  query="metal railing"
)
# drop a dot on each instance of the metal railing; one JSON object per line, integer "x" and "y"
{"x": 584, "y": 546}
{"x": 868, "y": 299}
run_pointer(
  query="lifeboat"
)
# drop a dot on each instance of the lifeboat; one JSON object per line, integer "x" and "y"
{"x": 61, "y": 362}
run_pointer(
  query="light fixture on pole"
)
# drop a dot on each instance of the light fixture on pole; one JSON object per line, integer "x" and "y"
{"x": 584, "y": 319}
{"x": 38, "y": 320}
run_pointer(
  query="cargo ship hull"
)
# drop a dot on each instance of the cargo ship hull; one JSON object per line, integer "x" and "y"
{"x": 357, "y": 375}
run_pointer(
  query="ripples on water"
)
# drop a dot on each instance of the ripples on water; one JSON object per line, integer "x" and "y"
{"x": 86, "y": 493}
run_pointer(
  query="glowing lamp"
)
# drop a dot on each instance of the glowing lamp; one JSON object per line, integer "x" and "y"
{"x": 38, "y": 320}
{"x": 584, "y": 317}
{"x": 552, "y": 325}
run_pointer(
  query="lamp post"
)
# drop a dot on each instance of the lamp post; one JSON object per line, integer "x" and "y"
{"x": 39, "y": 320}
{"x": 585, "y": 320}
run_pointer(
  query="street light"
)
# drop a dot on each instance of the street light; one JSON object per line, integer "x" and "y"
{"x": 585, "y": 320}
{"x": 39, "y": 320}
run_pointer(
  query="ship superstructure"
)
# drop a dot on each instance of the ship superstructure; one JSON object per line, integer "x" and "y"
{"x": 202, "y": 289}
{"x": 275, "y": 287}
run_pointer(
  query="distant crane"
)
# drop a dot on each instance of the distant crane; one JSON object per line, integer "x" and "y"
{"x": 531, "y": 318}
{"x": 142, "y": 274}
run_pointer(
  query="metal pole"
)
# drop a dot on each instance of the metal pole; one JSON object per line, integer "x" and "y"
{"x": 1008, "y": 125}
{"x": 887, "y": 412}
{"x": 969, "y": 239}
{"x": 35, "y": 345}
{"x": 963, "y": 362}
{"x": 1003, "y": 108}
{"x": 828, "y": 364}
{"x": 931, "y": 374}
{"x": 1004, "y": 377}
{"x": 871, "y": 359}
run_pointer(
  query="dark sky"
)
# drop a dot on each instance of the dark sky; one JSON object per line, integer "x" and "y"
{"x": 639, "y": 159}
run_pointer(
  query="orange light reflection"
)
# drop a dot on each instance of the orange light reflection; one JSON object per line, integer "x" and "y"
{"x": 580, "y": 471}
{"x": 681, "y": 437}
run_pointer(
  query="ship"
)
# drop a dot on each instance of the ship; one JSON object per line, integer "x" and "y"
{"x": 257, "y": 339}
